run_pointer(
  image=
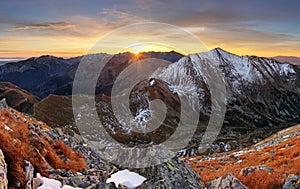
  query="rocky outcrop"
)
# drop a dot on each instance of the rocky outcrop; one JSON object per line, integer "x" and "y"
{"x": 31, "y": 181}
{"x": 3, "y": 172}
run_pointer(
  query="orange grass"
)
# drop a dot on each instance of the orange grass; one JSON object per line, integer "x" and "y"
{"x": 19, "y": 143}
{"x": 283, "y": 158}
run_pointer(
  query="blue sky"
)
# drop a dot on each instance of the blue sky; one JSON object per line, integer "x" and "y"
{"x": 70, "y": 27}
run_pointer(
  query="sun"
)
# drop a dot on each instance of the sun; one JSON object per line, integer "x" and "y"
{"x": 136, "y": 53}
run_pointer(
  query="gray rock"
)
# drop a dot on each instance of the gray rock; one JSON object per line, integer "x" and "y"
{"x": 251, "y": 169}
{"x": 228, "y": 181}
{"x": 292, "y": 182}
{"x": 31, "y": 182}
{"x": 3, "y": 172}
{"x": 29, "y": 175}
{"x": 171, "y": 174}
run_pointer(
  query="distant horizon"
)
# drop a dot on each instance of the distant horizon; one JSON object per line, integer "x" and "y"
{"x": 10, "y": 59}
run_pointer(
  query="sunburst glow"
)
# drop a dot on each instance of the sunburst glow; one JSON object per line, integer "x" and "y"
{"x": 136, "y": 53}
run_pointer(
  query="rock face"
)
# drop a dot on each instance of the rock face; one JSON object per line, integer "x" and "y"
{"x": 171, "y": 174}
{"x": 3, "y": 171}
{"x": 228, "y": 181}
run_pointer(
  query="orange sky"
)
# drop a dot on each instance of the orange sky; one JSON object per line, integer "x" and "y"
{"x": 70, "y": 28}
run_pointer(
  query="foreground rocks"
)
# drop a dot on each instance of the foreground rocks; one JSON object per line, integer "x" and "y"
{"x": 3, "y": 171}
{"x": 172, "y": 174}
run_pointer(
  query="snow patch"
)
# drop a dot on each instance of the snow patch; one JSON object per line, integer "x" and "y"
{"x": 152, "y": 82}
{"x": 53, "y": 184}
{"x": 126, "y": 178}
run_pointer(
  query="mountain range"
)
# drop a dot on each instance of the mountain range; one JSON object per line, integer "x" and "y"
{"x": 262, "y": 94}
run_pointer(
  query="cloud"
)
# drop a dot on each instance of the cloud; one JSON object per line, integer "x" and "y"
{"x": 56, "y": 26}
{"x": 113, "y": 16}
{"x": 148, "y": 4}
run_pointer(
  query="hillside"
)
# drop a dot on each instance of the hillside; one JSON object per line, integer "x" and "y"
{"x": 18, "y": 98}
{"x": 27, "y": 146}
{"x": 266, "y": 164}
{"x": 54, "y": 110}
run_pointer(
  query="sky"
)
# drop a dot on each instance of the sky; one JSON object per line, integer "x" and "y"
{"x": 71, "y": 27}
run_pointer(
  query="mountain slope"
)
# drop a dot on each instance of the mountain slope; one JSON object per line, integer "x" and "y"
{"x": 26, "y": 143}
{"x": 266, "y": 164}
{"x": 54, "y": 110}
{"x": 18, "y": 98}
{"x": 30, "y": 73}
{"x": 288, "y": 59}
{"x": 263, "y": 95}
